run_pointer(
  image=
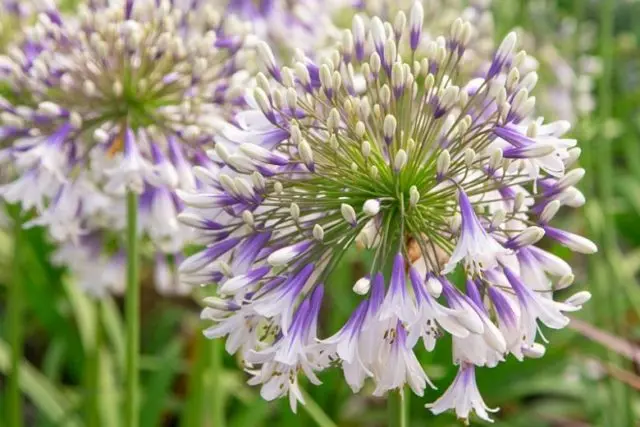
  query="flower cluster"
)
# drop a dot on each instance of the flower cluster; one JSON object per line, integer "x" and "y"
{"x": 445, "y": 181}
{"x": 120, "y": 96}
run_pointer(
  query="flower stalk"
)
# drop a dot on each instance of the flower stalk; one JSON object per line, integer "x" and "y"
{"x": 132, "y": 314}
{"x": 15, "y": 315}
{"x": 398, "y": 409}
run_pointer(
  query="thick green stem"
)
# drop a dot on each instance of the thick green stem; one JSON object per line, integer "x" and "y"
{"x": 15, "y": 308}
{"x": 215, "y": 387}
{"x": 92, "y": 371}
{"x": 398, "y": 409}
{"x": 132, "y": 314}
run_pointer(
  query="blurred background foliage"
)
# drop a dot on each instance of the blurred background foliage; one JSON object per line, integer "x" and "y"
{"x": 590, "y": 375}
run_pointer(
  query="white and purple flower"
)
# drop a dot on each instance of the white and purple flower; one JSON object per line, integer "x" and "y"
{"x": 431, "y": 180}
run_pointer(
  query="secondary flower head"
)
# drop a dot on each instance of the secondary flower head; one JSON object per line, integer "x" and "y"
{"x": 120, "y": 97}
{"x": 388, "y": 146}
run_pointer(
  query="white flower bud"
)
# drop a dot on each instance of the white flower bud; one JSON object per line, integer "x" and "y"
{"x": 375, "y": 63}
{"x": 434, "y": 286}
{"x": 495, "y": 159}
{"x": 371, "y": 207}
{"x": 518, "y": 202}
{"x": 390, "y": 52}
{"x": 498, "y": 219}
{"x": 49, "y": 109}
{"x": 535, "y": 351}
{"x": 507, "y": 45}
{"x": 247, "y": 217}
{"x": 266, "y": 56}
{"x": 570, "y": 179}
{"x": 365, "y": 148}
{"x": 244, "y": 187}
{"x": 306, "y": 154}
{"x": 416, "y": 17}
{"x": 549, "y": 211}
{"x": 400, "y": 160}
{"x": 574, "y": 154}
{"x": 296, "y": 135}
{"x": 349, "y": 214}
{"x": 528, "y": 236}
{"x": 564, "y": 282}
{"x": 443, "y": 163}
{"x": 228, "y": 184}
{"x": 411, "y": 145}
{"x": 512, "y": 78}
{"x": 216, "y": 303}
{"x": 291, "y": 98}
{"x": 469, "y": 156}
{"x": 288, "y": 79}
{"x": 294, "y": 209}
{"x": 221, "y": 152}
{"x": 519, "y": 59}
{"x": 449, "y": 96}
{"x": 263, "y": 101}
{"x": 333, "y": 121}
{"x": 362, "y": 286}
{"x": 358, "y": 30}
{"x": 389, "y": 127}
{"x": 258, "y": 181}
{"x": 303, "y": 74}
{"x": 385, "y": 96}
{"x": 378, "y": 32}
{"x": 325, "y": 77}
{"x": 101, "y": 136}
{"x": 75, "y": 120}
{"x": 414, "y": 195}
{"x": 318, "y": 232}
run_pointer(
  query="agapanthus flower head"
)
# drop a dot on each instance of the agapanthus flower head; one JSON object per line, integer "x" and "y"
{"x": 397, "y": 153}
{"x": 120, "y": 97}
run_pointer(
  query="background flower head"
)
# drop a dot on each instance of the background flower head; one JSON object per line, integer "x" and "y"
{"x": 121, "y": 96}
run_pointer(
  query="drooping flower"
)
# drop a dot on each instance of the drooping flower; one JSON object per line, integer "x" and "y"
{"x": 463, "y": 397}
{"x": 121, "y": 97}
{"x": 405, "y": 161}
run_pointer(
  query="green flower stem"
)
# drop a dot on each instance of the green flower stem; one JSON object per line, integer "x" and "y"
{"x": 132, "y": 314}
{"x": 398, "y": 409}
{"x": 15, "y": 308}
{"x": 618, "y": 408}
{"x": 92, "y": 370}
{"x": 315, "y": 411}
{"x": 216, "y": 370}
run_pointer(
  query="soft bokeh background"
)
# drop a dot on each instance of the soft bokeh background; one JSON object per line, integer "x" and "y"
{"x": 590, "y": 375}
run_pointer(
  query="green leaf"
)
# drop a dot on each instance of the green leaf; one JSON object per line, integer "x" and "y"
{"x": 114, "y": 328}
{"x": 109, "y": 391}
{"x": 158, "y": 386}
{"x": 56, "y": 404}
